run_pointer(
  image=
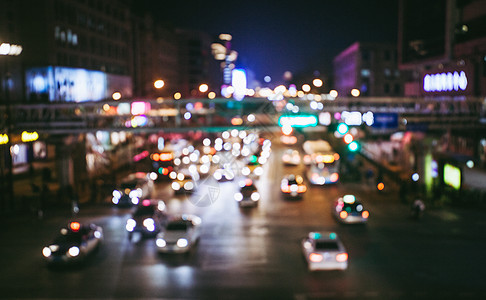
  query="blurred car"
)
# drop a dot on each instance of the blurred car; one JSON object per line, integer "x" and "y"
{"x": 147, "y": 218}
{"x": 132, "y": 189}
{"x": 183, "y": 182}
{"x": 248, "y": 194}
{"x": 253, "y": 167}
{"x": 224, "y": 174}
{"x": 349, "y": 210}
{"x": 291, "y": 157}
{"x": 293, "y": 186}
{"x": 179, "y": 235}
{"x": 74, "y": 243}
{"x": 324, "y": 251}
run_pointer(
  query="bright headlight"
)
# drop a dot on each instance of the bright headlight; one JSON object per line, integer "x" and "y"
{"x": 149, "y": 222}
{"x": 117, "y": 194}
{"x": 160, "y": 243}
{"x": 258, "y": 171}
{"x": 238, "y": 196}
{"x": 188, "y": 186}
{"x": 73, "y": 251}
{"x": 175, "y": 186}
{"x": 182, "y": 243}
{"x": 255, "y": 196}
{"x": 46, "y": 252}
{"x": 135, "y": 200}
{"x": 245, "y": 171}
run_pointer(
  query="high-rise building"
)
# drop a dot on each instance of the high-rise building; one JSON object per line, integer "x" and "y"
{"x": 371, "y": 68}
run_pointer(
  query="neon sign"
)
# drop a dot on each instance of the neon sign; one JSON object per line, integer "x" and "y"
{"x": 445, "y": 82}
{"x": 298, "y": 121}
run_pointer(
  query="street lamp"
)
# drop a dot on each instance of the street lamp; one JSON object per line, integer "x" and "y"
{"x": 317, "y": 82}
{"x": 159, "y": 83}
{"x": 203, "y": 88}
{"x": 8, "y": 49}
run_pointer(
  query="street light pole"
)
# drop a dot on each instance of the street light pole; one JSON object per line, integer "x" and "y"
{"x": 7, "y": 49}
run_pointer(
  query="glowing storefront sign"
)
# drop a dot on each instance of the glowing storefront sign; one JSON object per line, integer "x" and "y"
{"x": 238, "y": 81}
{"x": 29, "y": 136}
{"x": 445, "y": 82}
{"x": 298, "y": 121}
{"x": 3, "y": 139}
{"x": 452, "y": 176}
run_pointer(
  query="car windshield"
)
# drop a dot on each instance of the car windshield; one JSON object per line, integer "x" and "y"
{"x": 326, "y": 245}
{"x": 69, "y": 238}
{"x": 177, "y": 226}
{"x": 248, "y": 189}
{"x": 144, "y": 211}
{"x": 128, "y": 185}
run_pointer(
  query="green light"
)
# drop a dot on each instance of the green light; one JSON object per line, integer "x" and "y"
{"x": 353, "y": 146}
{"x": 317, "y": 235}
{"x": 332, "y": 236}
{"x": 342, "y": 128}
{"x": 253, "y": 159}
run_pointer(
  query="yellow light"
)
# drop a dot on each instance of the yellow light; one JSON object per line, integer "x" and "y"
{"x": 211, "y": 95}
{"x": 3, "y": 139}
{"x": 158, "y": 84}
{"x": 306, "y": 88}
{"x": 177, "y": 96}
{"x": 317, "y": 82}
{"x": 300, "y": 94}
{"x": 333, "y": 93}
{"x": 29, "y": 136}
{"x": 116, "y": 96}
{"x": 203, "y": 88}
{"x": 106, "y": 107}
{"x": 355, "y": 92}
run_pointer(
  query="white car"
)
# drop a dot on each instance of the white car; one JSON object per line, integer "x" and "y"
{"x": 180, "y": 234}
{"x": 324, "y": 251}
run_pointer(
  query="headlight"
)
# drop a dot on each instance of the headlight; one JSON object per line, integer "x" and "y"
{"x": 131, "y": 223}
{"x": 46, "y": 252}
{"x": 175, "y": 186}
{"x": 294, "y": 188}
{"x": 182, "y": 243}
{"x": 245, "y": 171}
{"x": 135, "y": 200}
{"x": 238, "y": 196}
{"x": 217, "y": 175}
{"x": 255, "y": 196}
{"x": 258, "y": 171}
{"x": 160, "y": 243}
{"x": 73, "y": 251}
{"x": 149, "y": 222}
{"x": 97, "y": 234}
{"x": 188, "y": 186}
{"x": 116, "y": 194}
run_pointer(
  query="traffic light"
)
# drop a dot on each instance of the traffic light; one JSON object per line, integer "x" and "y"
{"x": 354, "y": 146}
{"x": 342, "y": 128}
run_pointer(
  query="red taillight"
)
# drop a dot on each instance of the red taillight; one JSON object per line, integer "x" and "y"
{"x": 315, "y": 257}
{"x": 380, "y": 186}
{"x": 74, "y": 226}
{"x": 342, "y": 257}
{"x": 365, "y": 214}
{"x": 343, "y": 214}
{"x": 334, "y": 177}
{"x": 285, "y": 189}
{"x": 165, "y": 171}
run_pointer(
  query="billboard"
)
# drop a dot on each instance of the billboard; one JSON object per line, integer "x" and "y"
{"x": 63, "y": 84}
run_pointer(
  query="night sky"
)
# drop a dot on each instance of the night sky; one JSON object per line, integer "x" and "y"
{"x": 272, "y": 37}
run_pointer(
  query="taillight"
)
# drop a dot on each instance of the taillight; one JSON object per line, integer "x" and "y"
{"x": 342, "y": 257}
{"x": 315, "y": 257}
{"x": 343, "y": 214}
{"x": 302, "y": 189}
{"x": 365, "y": 214}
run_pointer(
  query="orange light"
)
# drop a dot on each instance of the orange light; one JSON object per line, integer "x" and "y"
{"x": 155, "y": 157}
{"x": 75, "y": 226}
{"x": 365, "y": 214}
{"x": 236, "y": 121}
{"x": 343, "y": 214}
{"x": 328, "y": 159}
{"x": 334, "y": 177}
{"x": 165, "y": 171}
{"x": 315, "y": 257}
{"x": 302, "y": 189}
{"x": 342, "y": 257}
{"x": 165, "y": 156}
{"x": 380, "y": 186}
{"x": 348, "y": 138}
{"x": 336, "y": 156}
{"x": 285, "y": 189}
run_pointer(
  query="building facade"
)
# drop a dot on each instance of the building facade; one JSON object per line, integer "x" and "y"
{"x": 372, "y": 68}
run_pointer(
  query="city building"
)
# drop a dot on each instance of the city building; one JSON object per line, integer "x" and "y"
{"x": 372, "y": 68}
{"x": 443, "y": 44}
